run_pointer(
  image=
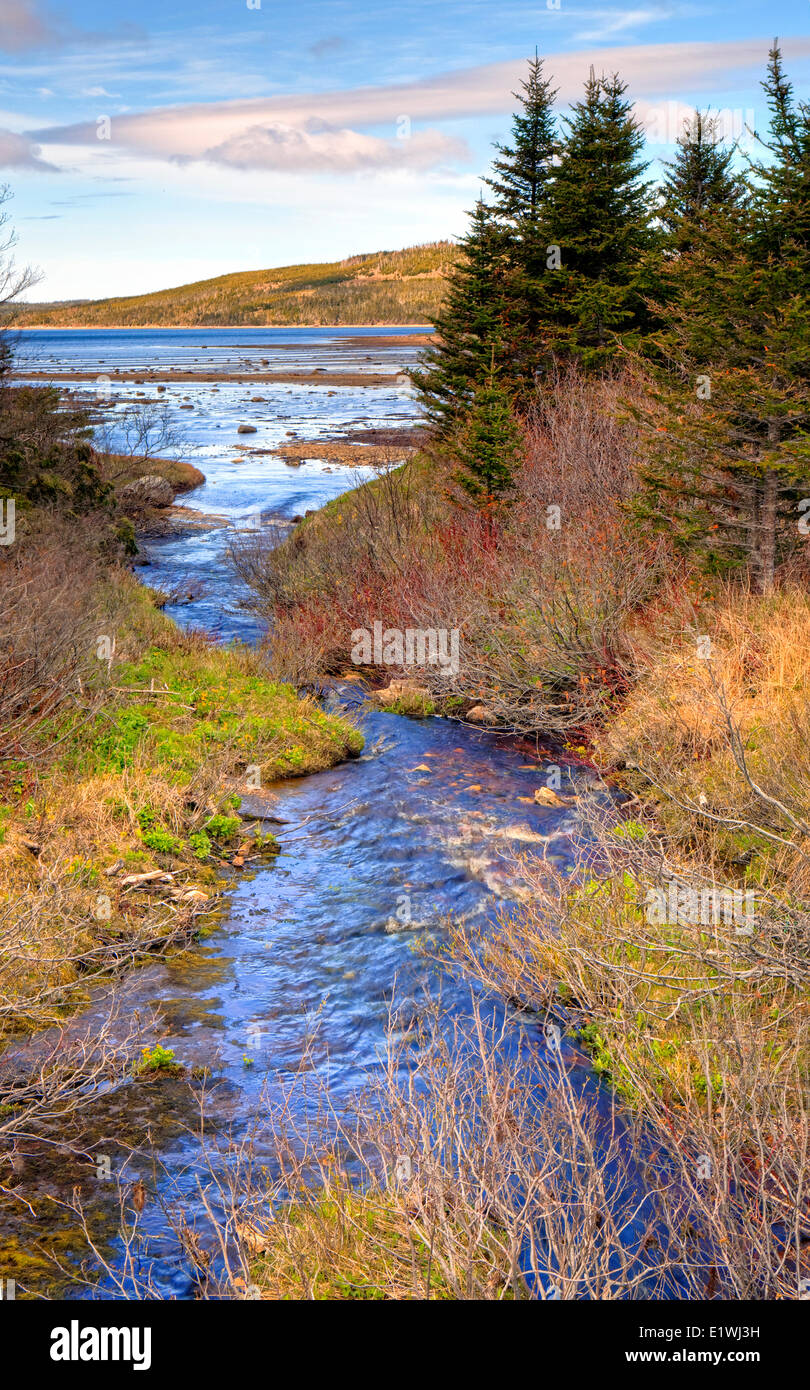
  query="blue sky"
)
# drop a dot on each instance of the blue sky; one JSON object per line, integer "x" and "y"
{"x": 149, "y": 144}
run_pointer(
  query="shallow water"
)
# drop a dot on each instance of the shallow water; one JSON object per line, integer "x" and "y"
{"x": 269, "y": 349}
{"x": 246, "y": 487}
{"x": 316, "y": 948}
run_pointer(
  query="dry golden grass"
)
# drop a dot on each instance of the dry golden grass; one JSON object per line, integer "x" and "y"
{"x": 719, "y": 726}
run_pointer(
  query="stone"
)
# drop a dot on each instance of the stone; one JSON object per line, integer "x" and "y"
{"x": 246, "y": 429}
{"x": 544, "y": 796}
{"x": 402, "y": 690}
{"x": 479, "y": 714}
{"x": 148, "y": 491}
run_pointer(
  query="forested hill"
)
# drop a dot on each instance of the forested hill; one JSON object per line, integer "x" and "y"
{"x": 383, "y": 287}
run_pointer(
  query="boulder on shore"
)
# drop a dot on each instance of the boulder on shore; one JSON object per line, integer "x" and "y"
{"x": 148, "y": 491}
{"x": 479, "y": 714}
{"x": 405, "y": 693}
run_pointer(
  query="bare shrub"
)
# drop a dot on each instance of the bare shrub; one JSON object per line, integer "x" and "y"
{"x": 144, "y": 431}
{"x": 542, "y": 593}
{"x": 468, "y": 1172}
{"x": 47, "y": 627}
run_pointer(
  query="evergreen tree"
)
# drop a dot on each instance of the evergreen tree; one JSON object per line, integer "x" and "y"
{"x": 522, "y": 170}
{"x": 488, "y": 446}
{"x": 699, "y": 182}
{"x": 728, "y": 461}
{"x": 600, "y": 214}
{"x": 521, "y": 179}
{"x": 782, "y": 195}
{"x": 472, "y": 329}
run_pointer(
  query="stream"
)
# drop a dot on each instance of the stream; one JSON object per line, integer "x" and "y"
{"x": 317, "y": 948}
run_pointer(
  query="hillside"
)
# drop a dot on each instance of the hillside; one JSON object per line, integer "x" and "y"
{"x": 383, "y": 287}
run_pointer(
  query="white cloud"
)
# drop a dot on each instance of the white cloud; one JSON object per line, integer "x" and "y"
{"x": 18, "y": 152}
{"x": 231, "y": 131}
{"x": 317, "y": 148}
{"x": 613, "y": 22}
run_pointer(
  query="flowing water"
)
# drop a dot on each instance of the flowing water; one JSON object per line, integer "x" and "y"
{"x": 316, "y": 948}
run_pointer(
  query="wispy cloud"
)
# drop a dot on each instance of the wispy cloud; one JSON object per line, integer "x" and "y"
{"x": 324, "y": 47}
{"x": 344, "y": 132}
{"x": 29, "y": 26}
{"x": 609, "y": 22}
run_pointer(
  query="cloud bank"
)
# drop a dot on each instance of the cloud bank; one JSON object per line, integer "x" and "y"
{"x": 324, "y": 131}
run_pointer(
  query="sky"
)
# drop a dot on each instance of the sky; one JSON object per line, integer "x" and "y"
{"x": 150, "y": 143}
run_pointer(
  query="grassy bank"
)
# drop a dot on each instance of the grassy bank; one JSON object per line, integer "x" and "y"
{"x": 178, "y": 473}
{"x": 119, "y": 805}
{"x": 124, "y": 742}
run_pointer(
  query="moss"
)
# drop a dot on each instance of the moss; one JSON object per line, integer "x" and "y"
{"x": 416, "y": 706}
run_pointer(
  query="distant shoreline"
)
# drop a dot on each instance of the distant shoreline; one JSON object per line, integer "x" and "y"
{"x": 193, "y": 327}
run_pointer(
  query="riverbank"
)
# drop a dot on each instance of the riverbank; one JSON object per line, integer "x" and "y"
{"x": 120, "y": 812}
{"x": 678, "y": 958}
{"x": 425, "y": 336}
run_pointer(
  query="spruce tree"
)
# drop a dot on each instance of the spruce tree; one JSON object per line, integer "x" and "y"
{"x": 488, "y": 446}
{"x": 782, "y": 193}
{"x": 728, "y": 458}
{"x": 699, "y": 182}
{"x": 522, "y": 170}
{"x": 521, "y": 178}
{"x": 600, "y": 214}
{"x": 472, "y": 329}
